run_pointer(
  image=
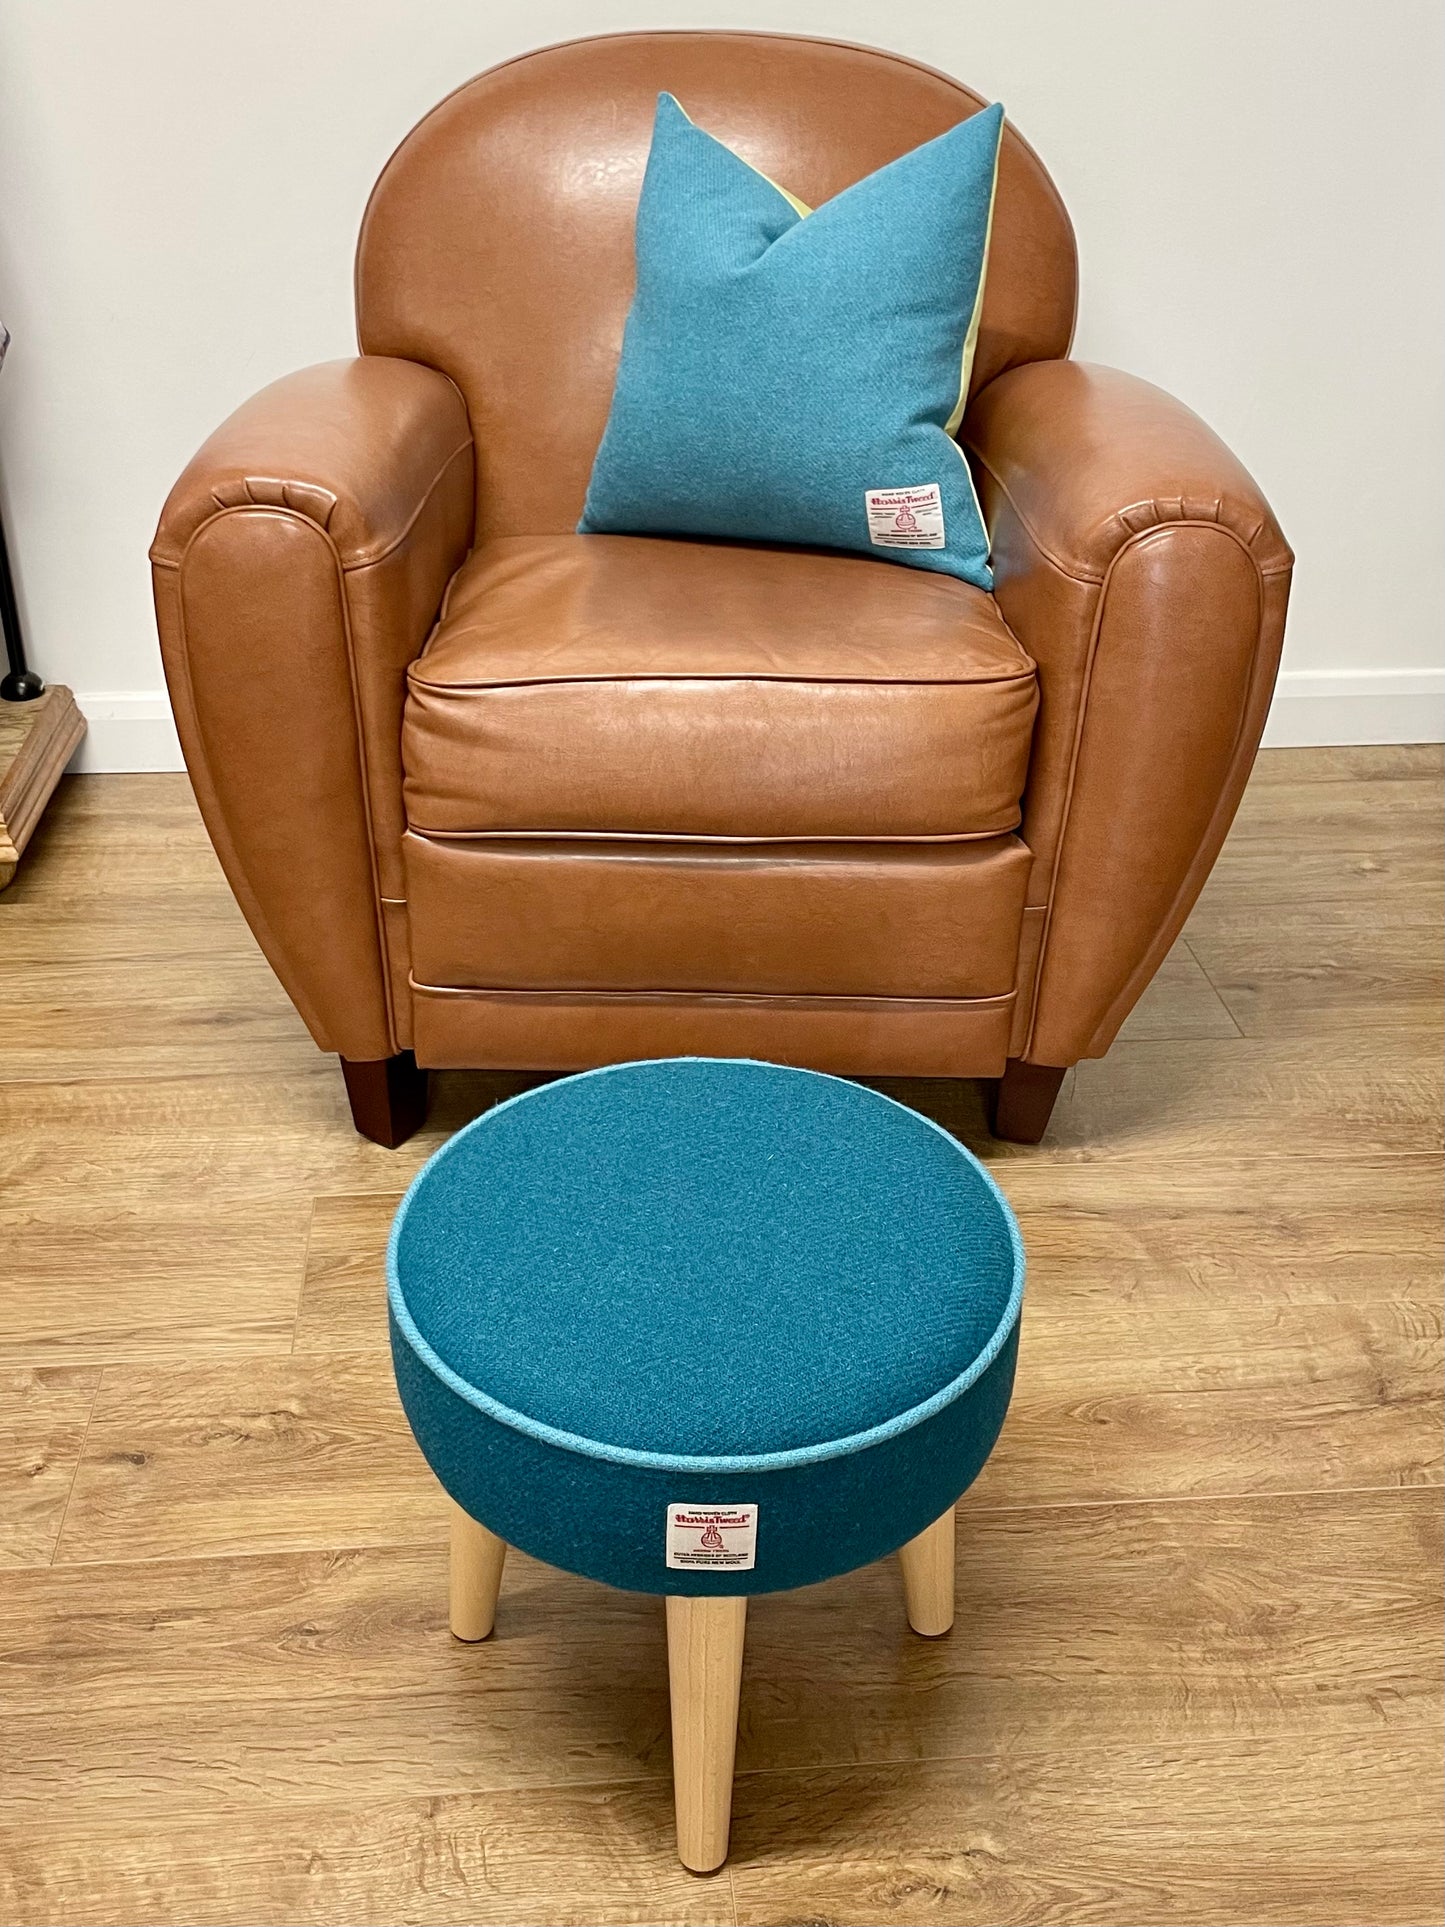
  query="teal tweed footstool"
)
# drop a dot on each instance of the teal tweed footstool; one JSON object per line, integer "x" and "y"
{"x": 705, "y": 1328}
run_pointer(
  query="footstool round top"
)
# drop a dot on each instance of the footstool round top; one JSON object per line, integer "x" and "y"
{"x": 657, "y": 1284}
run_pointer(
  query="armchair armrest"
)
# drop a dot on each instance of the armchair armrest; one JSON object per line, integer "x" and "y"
{"x": 1140, "y": 566}
{"x": 298, "y": 568}
{"x": 358, "y": 447}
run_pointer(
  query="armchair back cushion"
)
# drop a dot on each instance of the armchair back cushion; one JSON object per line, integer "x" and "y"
{"x": 498, "y": 243}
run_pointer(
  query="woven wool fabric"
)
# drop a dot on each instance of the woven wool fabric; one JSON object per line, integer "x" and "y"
{"x": 794, "y": 375}
{"x": 699, "y": 1282}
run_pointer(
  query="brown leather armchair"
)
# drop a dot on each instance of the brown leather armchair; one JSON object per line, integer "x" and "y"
{"x": 494, "y": 794}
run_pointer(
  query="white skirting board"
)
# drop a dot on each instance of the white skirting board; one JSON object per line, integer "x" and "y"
{"x": 126, "y": 730}
{"x": 1356, "y": 706}
{"x": 132, "y": 730}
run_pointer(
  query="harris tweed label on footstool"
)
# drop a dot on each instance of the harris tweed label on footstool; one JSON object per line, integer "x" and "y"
{"x": 716, "y": 1538}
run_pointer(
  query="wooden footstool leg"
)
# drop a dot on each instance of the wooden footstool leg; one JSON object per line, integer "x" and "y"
{"x": 927, "y": 1563}
{"x": 704, "y": 1665}
{"x": 476, "y": 1575}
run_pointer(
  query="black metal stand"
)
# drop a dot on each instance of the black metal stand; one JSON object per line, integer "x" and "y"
{"x": 22, "y": 685}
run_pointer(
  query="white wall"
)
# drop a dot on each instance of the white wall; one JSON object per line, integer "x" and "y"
{"x": 1256, "y": 186}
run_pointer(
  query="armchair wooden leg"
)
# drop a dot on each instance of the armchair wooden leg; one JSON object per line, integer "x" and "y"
{"x": 388, "y": 1097}
{"x": 927, "y": 1563}
{"x": 1024, "y": 1100}
{"x": 477, "y": 1558}
{"x": 704, "y": 1665}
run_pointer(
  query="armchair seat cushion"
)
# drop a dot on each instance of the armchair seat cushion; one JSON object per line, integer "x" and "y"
{"x": 595, "y": 685}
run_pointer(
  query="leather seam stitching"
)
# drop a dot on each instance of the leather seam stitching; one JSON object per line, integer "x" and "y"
{"x": 1082, "y": 573}
{"x": 1080, "y": 721}
{"x": 362, "y": 560}
{"x": 1015, "y": 680}
{"x": 383, "y": 948}
{"x": 184, "y": 657}
{"x": 1260, "y": 579}
{"x": 790, "y": 998}
{"x": 371, "y": 561}
{"x": 343, "y": 601}
{"x": 710, "y": 838}
{"x": 1091, "y": 578}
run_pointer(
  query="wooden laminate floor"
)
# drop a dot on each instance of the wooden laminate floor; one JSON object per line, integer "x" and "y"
{"x": 1196, "y": 1671}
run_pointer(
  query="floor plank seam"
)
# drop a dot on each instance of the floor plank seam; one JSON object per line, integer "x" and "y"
{"x": 732, "y": 1893}
{"x": 301, "y": 1281}
{"x": 436, "y": 1541}
{"x": 1330, "y": 1493}
{"x": 1219, "y": 995}
{"x": 1422, "y": 1729}
{"x": 1231, "y": 1498}
{"x": 75, "y": 1475}
{"x": 659, "y": 1779}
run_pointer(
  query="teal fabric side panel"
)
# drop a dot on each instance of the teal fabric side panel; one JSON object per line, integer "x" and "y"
{"x": 777, "y": 370}
{"x": 606, "y": 1521}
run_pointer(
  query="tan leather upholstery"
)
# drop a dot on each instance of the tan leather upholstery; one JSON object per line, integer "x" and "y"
{"x": 1139, "y": 564}
{"x": 849, "y": 1036}
{"x": 831, "y": 919}
{"x": 601, "y": 685}
{"x": 298, "y": 568}
{"x": 523, "y": 798}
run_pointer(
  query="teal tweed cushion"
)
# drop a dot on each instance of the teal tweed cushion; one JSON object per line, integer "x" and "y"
{"x": 695, "y": 1283}
{"x": 794, "y": 375}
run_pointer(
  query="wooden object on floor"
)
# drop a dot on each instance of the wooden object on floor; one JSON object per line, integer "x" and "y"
{"x": 37, "y": 740}
{"x": 477, "y": 1558}
{"x": 927, "y": 1563}
{"x": 388, "y": 1097}
{"x": 704, "y": 1670}
{"x": 1024, "y": 1101}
